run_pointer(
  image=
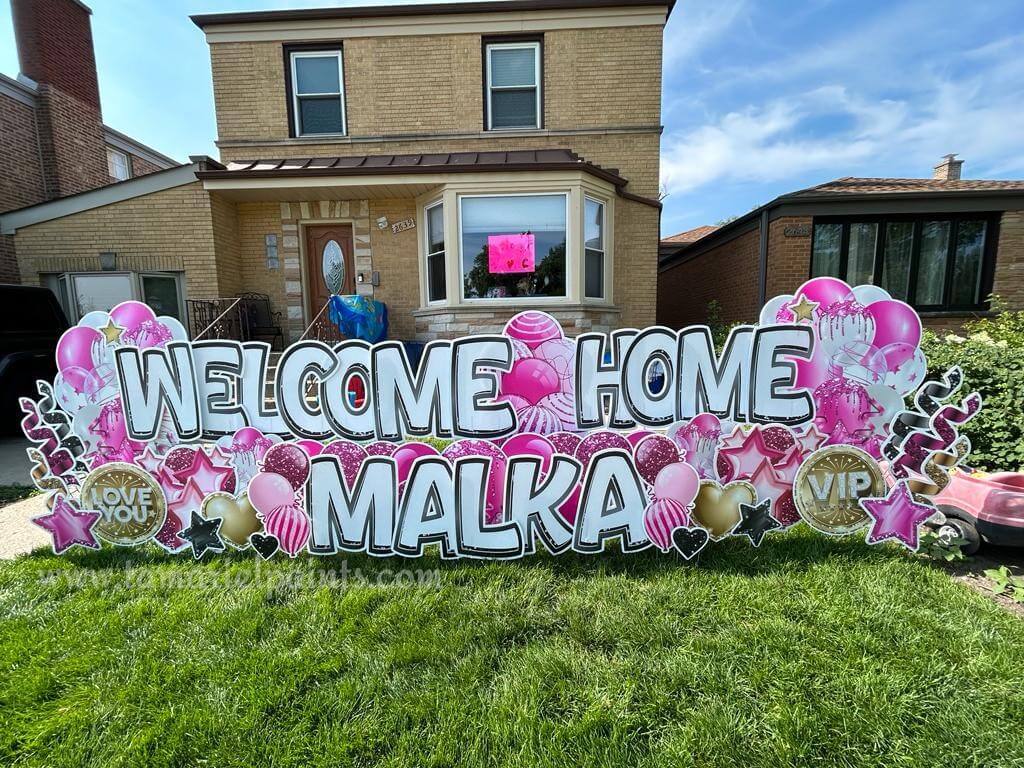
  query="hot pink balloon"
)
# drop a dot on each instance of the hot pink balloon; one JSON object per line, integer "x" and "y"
{"x": 635, "y": 438}
{"x": 311, "y": 447}
{"x": 895, "y": 323}
{"x": 529, "y": 444}
{"x": 571, "y": 506}
{"x": 351, "y": 457}
{"x": 531, "y": 379}
{"x": 494, "y": 500}
{"x": 291, "y": 527}
{"x": 268, "y": 491}
{"x": 823, "y": 290}
{"x": 245, "y": 439}
{"x": 76, "y": 348}
{"x": 406, "y": 454}
{"x": 654, "y": 454}
{"x": 897, "y": 354}
{"x": 131, "y": 314}
{"x": 289, "y": 461}
{"x": 565, "y": 442}
{"x": 678, "y": 482}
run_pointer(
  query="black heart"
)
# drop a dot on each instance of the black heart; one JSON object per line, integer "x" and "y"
{"x": 689, "y": 541}
{"x": 265, "y": 545}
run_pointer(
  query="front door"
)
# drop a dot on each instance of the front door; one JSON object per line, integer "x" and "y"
{"x": 329, "y": 265}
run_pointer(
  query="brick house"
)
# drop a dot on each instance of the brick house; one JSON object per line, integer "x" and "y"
{"x": 458, "y": 162}
{"x": 53, "y": 142}
{"x": 942, "y": 244}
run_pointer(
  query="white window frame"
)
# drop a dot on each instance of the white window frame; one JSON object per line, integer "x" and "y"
{"x": 604, "y": 250}
{"x": 569, "y": 250}
{"x": 68, "y": 298}
{"x": 113, "y": 152}
{"x": 428, "y": 253}
{"x": 536, "y": 48}
{"x": 293, "y": 56}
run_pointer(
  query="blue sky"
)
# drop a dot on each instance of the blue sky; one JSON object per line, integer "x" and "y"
{"x": 761, "y": 97}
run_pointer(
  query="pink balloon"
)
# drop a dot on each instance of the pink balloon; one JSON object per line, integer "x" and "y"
{"x": 897, "y": 354}
{"x": 565, "y": 442}
{"x": 823, "y": 290}
{"x": 895, "y": 323}
{"x": 571, "y": 506}
{"x": 599, "y": 441}
{"x": 407, "y": 453}
{"x": 245, "y": 439}
{"x": 311, "y": 447}
{"x": 289, "y": 461}
{"x": 76, "y": 348}
{"x": 351, "y": 457}
{"x": 131, "y": 314}
{"x": 268, "y": 491}
{"x": 531, "y": 379}
{"x": 678, "y": 482}
{"x": 528, "y": 444}
{"x": 561, "y": 354}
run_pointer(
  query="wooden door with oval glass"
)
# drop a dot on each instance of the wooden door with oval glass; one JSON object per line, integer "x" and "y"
{"x": 329, "y": 267}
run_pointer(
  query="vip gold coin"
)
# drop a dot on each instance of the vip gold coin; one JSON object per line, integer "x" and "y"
{"x": 131, "y": 504}
{"x": 829, "y": 485}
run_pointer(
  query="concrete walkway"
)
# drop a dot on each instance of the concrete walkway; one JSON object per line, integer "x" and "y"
{"x": 17, "y": 533}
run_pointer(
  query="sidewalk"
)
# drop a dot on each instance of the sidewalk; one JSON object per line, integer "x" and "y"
{"x": 17, "y": 534}
{"x": 14, "y": 463}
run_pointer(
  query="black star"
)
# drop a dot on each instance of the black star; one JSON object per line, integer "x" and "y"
{"x": 203, "y": 534}
{"x": 756, "y": 521}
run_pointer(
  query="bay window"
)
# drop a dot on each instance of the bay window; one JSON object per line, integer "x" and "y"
{"x": 593, "y": 249}
{"x": 933, "y": 262}
{"x": 513, "y": 246}
{"x": 436, "y": 274}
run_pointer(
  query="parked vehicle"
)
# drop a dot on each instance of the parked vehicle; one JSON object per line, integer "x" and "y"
{"x": 983, "y": 507}
{"x": 31, "y": 322}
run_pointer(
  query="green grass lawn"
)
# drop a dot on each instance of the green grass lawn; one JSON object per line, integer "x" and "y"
{"x": 809, "y": 651}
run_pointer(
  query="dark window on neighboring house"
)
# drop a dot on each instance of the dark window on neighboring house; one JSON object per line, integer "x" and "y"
{"x": 512, "y": 85}
{"x": 316, "y": 90}
{"x": 933, "y": 262}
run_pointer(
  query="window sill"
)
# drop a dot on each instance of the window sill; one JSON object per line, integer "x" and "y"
{"x": 489, "y": 309}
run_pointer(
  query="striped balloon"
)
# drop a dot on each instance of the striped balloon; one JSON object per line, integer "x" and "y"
{"x": 290, "y": 527}
{"x": 661, "y": 517}
{"x": 538, "y": 419}
{"x": 533, "y": 328}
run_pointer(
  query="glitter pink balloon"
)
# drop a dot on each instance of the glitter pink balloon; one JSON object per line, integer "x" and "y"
{"x": 179, "y": 459}
{"x": 565, "y": 443}
{"x": 533, "y": 328}
{"x": 600, "y": 441}
{"x": 289, "y": 461}
{"x": 350, "y": 456}
{"x": 654, "y": 454}
{"x": 381, "y": 448}
{"x": 661, "y": 518}
{"x": 635, "y": 438}
{"x": 778, "y": 439}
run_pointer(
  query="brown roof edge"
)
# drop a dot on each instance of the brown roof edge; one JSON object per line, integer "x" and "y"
{"x": 203, "y": 20}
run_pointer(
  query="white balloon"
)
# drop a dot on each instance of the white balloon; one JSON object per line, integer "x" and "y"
{"x": 178, "y": 332}
{"x": 890, "y": 401}
{"x": 95, "y": 319}
{"x": 771, "y": 309}
{"x": 908, "y": 375}
{"x": 868, "y": 294}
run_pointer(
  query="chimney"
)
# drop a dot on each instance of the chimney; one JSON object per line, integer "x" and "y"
{"x": 54, "y": 39}
{"x": 948, "y": 169}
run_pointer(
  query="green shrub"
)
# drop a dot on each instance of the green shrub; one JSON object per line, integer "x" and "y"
{"x": 990, "y": 352}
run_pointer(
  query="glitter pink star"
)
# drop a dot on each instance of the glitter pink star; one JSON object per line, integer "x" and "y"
{"x": 896, "y": 516}
{"x": 68, "y": 526}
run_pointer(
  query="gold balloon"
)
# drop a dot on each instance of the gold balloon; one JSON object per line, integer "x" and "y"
{"x": 238, "y": 517}
{"x": 717, "y": 507}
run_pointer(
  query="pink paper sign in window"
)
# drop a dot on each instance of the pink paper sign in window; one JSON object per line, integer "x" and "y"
{"x": 510, "y": 253}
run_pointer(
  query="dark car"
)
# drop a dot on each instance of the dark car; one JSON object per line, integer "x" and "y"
{"x": 31, "y": 322}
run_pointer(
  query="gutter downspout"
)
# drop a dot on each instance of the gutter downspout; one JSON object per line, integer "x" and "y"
{"x": 762, "y": 284}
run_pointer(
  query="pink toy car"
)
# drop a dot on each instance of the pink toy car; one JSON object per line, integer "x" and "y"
{"x": 984, "y": 507}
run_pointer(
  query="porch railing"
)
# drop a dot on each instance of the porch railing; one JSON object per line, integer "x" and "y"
{"x": 223, "y": 318}
{"x": 322, "y": 328}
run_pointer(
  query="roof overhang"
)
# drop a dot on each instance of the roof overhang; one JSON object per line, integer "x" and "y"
{"x": 12, "y": 221}
{"x": 430, "y": 19}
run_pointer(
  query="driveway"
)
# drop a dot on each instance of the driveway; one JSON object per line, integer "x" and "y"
{"x": 14, "y": 462}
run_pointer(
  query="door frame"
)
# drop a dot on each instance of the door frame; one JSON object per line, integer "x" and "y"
{"x": 307, "y": 310}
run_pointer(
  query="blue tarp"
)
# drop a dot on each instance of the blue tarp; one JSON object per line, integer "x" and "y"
{"x": 358, "y": 317}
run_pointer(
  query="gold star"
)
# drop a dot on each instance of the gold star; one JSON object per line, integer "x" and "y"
{"x": 803, "y": 309}
{"x": 112, "y": 332}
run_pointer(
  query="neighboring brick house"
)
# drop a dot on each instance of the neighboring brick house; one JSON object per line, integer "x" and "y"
{"x": 397, "y": 152}
{"x": 53, "y": 142}
{"x": 942, "y": 244}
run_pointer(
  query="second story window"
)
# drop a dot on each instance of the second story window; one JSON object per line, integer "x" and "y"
{"x": 513, "y": 84}
{"x": 317, "y": 92}
{"x": 118, "y": 165}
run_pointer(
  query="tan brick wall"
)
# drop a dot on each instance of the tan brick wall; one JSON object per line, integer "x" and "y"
{"x": 396, "y": 257}
{"x": 1008, "y": 282}
{"x": 635, "y": 270}
{"x": 165, "y": 231}
{"x": 433, "y": 84}
{"x": 789, "y": 258}
{"x": 727, "y": 274}
{"x": 224, "y": 220}
{"x": 255, "y": 222}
